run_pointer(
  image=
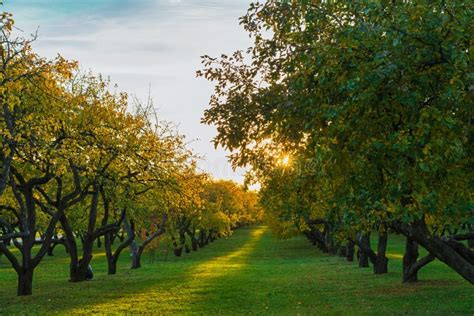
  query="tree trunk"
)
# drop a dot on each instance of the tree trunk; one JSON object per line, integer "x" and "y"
{"x": 137, "y": 250}
{"x": 381, "y": 262}
{"x": 341, "y": 251}
{"x": 178, "y": 251}
{"x": 78, "y": 272}
{"x": 194, "y": 241}
{"x": 202, "y": 238}
{"x": 409, "y": 259}
{"x": 453, "y": 253}
{"x": 112, "y": 266}
{"x": 134, "y": 252}
{"x": 470, "y": 242}
{"x": 51, "y": 249}
{"x": 411, "y": 264}
{"x": 77, "y": 267}
{"x": 134, "y": 248}
{"x": 55, "y": 244}
{"x": 182, "y": 241}
{"x": 320, "y": 240}
{"x": 350, "y": 251}
{"x": 329, "y": 242}
{"x": 112, "y": 257}
{"x": 25, "y": 282}
{"x": 71, "y": 245}
{"x": 137, "y": 258}
{"x": 29, "y": 262}
{"x": 363, "y": 257}
{"x": 212, "y": 236}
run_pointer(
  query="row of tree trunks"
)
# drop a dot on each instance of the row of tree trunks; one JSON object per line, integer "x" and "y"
{"x": 452, "y": 252}
{"x": 194, "y": 241}
{"x": 317, "y": 238}
{"x": 203, "y": 240}
{"x": 379, "y": 260}
{"x": 448, "y": 249}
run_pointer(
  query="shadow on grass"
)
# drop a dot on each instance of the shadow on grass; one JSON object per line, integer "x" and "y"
{"x": 167, "y": 286}
{"x": 249, "y": 273}
{"x": 194, "y": 285}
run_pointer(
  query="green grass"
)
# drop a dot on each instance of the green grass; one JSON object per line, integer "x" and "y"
{"x": 249, "y": 273}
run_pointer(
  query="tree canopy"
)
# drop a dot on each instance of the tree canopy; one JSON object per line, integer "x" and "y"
{"x": 373, "y": 103}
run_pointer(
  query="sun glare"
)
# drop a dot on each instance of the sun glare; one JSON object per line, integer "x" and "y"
{"x": 284, "y": 161}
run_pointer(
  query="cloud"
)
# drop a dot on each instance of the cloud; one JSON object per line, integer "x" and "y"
{"x": 143, "y": 43}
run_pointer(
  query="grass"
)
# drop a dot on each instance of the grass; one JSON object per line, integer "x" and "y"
{"x": 249, "y": 273}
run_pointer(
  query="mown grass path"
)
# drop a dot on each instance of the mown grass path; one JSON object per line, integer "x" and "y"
{"x": 249, "y": 273}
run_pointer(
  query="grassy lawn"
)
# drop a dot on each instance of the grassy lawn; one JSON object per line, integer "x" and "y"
{"x": 249, "y": 273}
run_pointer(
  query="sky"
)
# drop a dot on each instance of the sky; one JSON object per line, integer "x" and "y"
{"x": 145, "y": 45}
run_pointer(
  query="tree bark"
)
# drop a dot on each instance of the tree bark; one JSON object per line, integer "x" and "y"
{"x": 329, "y": 241}
{"x": 203, "y": 240}
{"x": 363, "y": 257}
{"x": 134, "y": 249}
{"x": 451, "y": 252}
{"x": 54, "y": 244}
{"x": 194, "y": 244}
{"x": 78, "y": 267}
{"x": 78, "y": 271}
{"x": 194, "y": 241}
{"x": 409, "y": 259}
{"x": 178, "y": 249}
{"x": 25, "y": 281}
{"x": 51, "y": 249}
{"x": 112, "y": 257}
{"x": 411, "y": 265}
{"x": 71, "y": 245}
{"x": 341, "y": 251}
{"x": 28, "y": 224}
{"x": 350, "y": 251}
{"x": 381, "y": 261}
{"x": 470, "y": 242}
{"x": 137, "y": 250}
{"x": 137, "y": 258}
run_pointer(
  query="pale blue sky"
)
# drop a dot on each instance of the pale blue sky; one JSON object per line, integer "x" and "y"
{"x": 139, "y": 43}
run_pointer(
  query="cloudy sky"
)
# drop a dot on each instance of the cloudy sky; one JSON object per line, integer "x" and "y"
{"x": 143, "y": 44}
